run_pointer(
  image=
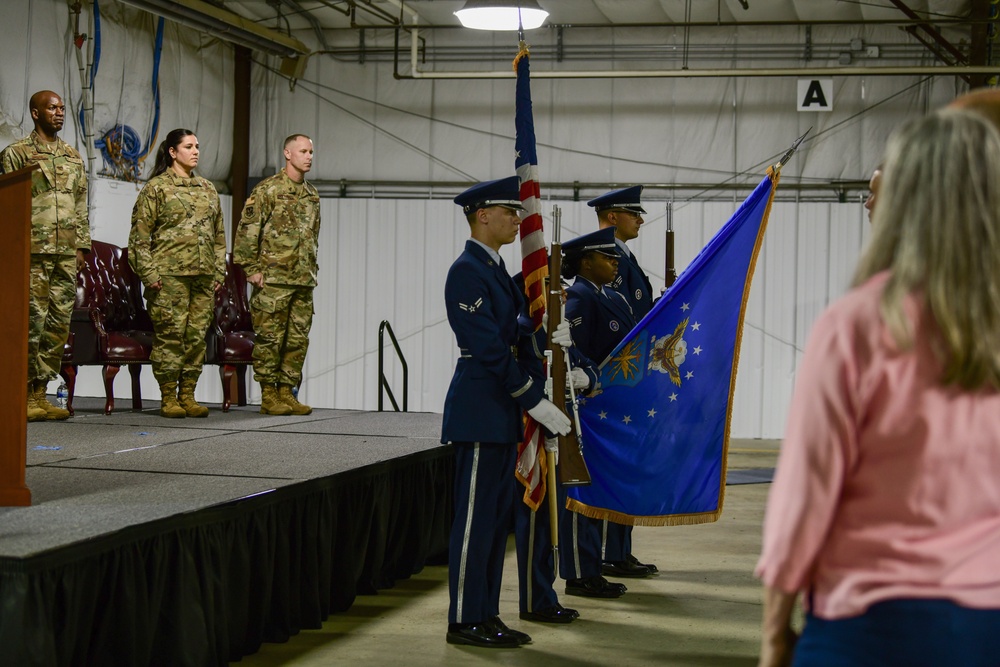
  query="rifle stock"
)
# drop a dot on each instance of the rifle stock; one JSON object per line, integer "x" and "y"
{"x": 572, "y": 468}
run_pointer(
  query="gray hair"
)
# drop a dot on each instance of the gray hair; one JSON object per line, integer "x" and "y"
{"x": 936, "y": 230}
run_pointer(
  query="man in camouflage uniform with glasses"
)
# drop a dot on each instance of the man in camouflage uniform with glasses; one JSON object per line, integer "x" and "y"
{"x": 277, "y": 243}
{"x": 60, "y": 235}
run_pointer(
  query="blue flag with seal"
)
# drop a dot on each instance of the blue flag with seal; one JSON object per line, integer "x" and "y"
{"x": 656, "y": 433}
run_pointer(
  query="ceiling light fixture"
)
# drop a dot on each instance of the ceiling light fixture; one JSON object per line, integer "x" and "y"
{"x": 501, "y": 14}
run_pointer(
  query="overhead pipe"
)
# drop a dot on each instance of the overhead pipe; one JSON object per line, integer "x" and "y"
{"x": 916, "y": 70}
{"x": 342, "y": 188}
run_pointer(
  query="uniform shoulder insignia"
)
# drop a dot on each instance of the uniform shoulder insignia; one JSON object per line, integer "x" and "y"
{"x": 473, "y": 308}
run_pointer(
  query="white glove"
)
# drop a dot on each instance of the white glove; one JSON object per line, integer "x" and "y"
{"x": 552, "y": 445}
{"x": 561, "y": 335}
{"x": 580, "y": 379}
{"x": 549, "y": 416}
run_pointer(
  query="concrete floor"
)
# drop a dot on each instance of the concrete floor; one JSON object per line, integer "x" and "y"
{"x": 703, "y": 609}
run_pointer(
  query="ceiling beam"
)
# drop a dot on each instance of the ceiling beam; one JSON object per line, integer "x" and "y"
{"x": 223, "y": 24}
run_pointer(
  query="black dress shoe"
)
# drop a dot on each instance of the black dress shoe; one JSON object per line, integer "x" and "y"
{"x": 594, "y": 587}
{"x": 501, "y": 627}
{"x": 624, "y": 568}
{"x": 480, "y": 634}
{"x": 649, "y": 566}
{"x": 555, "y": 614}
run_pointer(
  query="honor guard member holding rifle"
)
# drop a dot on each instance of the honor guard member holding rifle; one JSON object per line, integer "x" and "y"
{"x": 536, "y": 573}
{"x": 621, "y": 210}
{"x": 599, "y": 317}
{"x": 60, "y": 235}
{"x": 483, "y": 414}
{"x": 277, "y": 243}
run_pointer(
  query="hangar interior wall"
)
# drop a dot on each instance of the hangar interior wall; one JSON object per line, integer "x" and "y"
{"x": 385, "y": 253}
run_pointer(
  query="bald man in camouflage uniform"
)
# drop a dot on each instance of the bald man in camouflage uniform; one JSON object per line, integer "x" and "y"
{"x": 60, "y": 235}
{"x": 277, "y": 243}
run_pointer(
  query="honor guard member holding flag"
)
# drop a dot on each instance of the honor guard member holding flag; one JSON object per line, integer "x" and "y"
{"x": 483, "y": 414}
{"x": 599, "y": 317}
{"x": 60, "y": 234}
{"x": 277, "y": 244}
{"x": 621, "y": 210}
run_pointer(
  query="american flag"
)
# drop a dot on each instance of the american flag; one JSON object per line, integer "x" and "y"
{"x": 531, "y": 463}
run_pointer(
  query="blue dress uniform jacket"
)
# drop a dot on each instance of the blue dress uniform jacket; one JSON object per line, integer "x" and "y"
{"x": 483, "y": 420}
{"x": 489, "y": 389}
{"x": 633, "y": 284}
{"x": 598, "y": 322}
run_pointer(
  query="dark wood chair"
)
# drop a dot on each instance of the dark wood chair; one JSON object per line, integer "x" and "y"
{"x": 68, "y": 371}
{"x": 110, "y": 325}
{"x": 230, "y": 338}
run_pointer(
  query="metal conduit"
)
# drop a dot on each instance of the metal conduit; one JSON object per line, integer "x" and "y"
{"x": 579, "y": 191}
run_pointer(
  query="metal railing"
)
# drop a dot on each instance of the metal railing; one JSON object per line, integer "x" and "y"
{"x": 383, "y": 384}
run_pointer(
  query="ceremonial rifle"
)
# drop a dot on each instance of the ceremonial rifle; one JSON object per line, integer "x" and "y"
{"x": 670, "y": 275}
{"x": 572, "y": 468}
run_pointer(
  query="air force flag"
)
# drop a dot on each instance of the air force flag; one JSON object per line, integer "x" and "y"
{"x": 656, "y": 436}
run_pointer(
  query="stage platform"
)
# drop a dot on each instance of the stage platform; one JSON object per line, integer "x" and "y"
{"x": 155, "y": 541}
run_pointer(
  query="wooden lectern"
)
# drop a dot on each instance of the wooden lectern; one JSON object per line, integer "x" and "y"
{"x": 15, "y": 212}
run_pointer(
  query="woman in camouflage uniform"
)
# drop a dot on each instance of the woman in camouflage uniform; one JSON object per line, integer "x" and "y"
{"x": 178, "y": 247}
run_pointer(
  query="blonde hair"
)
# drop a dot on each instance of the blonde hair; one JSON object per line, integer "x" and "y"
{"x": 936, "y": 230}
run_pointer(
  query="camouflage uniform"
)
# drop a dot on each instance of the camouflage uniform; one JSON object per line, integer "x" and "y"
{"x": 59, "y": 227}
{"x": 178, "y": 238}
{"x": 278, "y": 237}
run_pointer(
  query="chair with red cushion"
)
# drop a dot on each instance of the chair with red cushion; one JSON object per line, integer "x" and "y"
{"x": 110, "y": 325}
{"x": 230, "y": 338}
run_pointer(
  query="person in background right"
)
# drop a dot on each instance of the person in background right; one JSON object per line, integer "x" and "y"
{"x": 885, "y": 509}
{"x": 984, "y": 101}
{"x": 874, "y": 184}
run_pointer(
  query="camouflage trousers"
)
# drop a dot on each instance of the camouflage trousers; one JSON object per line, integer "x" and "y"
{"x": 181, "y": 312}
{"x": 282, "y": 316}
{"x": 51, "y": 294}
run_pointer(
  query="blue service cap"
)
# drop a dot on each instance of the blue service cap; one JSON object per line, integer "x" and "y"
{"x": 626, "y": 198}
{"x": 501, "y": 192}
{"x": 602, "y": 241}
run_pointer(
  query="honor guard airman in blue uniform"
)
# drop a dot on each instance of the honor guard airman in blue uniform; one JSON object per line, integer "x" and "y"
{"x": 483, "y": 414}
{"x": 621, "y": 210}
{"x": 599, "y": 317}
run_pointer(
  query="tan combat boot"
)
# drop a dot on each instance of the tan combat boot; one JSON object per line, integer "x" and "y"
{"x": 35, "y": 413}
{"x": 270, "y": 404}
{"x": 288, "y": 398}
{"x": 191, "y": 407}
{"x": 168, "y": 401}
{"x": 51, "y": 411}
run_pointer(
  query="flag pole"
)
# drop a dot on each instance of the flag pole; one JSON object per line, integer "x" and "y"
{"x": 791, "y": 151}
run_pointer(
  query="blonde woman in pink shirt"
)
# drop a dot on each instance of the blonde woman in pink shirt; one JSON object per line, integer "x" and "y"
{"x": 885, "y": 509}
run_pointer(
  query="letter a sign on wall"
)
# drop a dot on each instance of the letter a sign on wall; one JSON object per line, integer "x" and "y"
{"x": 815, "y": 95}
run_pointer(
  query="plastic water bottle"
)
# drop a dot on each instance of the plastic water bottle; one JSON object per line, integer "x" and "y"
{"x": 61, "y": 394}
